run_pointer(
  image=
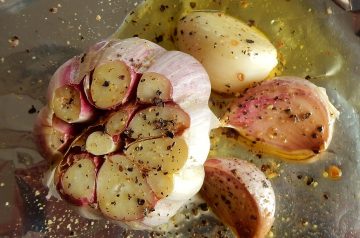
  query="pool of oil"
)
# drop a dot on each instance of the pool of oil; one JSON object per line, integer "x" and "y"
{"x": 314, "y": 40}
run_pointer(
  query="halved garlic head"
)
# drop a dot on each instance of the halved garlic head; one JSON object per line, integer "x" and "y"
{"x": 287, "y": 116}
{"x": 233, "y": 53}
{"x": 140, "y": 155}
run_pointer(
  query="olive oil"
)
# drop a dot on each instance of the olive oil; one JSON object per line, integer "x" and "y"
{"x": 298, "y": 32}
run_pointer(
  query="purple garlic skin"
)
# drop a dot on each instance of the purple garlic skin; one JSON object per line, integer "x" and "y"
{"x": 286, "y": 116}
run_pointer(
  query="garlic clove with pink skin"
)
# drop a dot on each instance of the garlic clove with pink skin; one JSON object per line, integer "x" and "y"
{"x": 286, "y": 116}
{"x": 52, "y": 135}
{"x": 117, "y": 70}
{"x": 239, "y": 193}
{"x": 66, "y": 99}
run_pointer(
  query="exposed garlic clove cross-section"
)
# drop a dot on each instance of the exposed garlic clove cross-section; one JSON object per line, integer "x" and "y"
{"x": 159, "y": 121}
{"x": 111, "y": 84}
{"x": 122, "y": 191}
{"x": 166, "y": 155}
{"x": 154, "y": 88}
{"x": 76, "y": 180}
{"x": 66, "y": 99}
{"x": 51, "y": 134}
{"x": 101, "y": 143}
{"x": 67, "y": 103}
{"x": 118, "y": 121}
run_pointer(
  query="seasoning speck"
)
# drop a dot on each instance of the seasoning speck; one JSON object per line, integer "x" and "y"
{"x": 106, "y": 84}
{"x": 53, "y": 10}
{"x": 159, "y": 38}
{"x": 14, "y": 41}
{"x": 251, "y": 22}
{"x": 32, "y": 110}
{"x": 98, "y": 18}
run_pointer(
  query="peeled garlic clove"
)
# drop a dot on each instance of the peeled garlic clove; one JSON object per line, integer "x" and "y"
{"x": 234, "y": 54}
{"x": 286, "y": 116}
{"x": 239, "y": 193}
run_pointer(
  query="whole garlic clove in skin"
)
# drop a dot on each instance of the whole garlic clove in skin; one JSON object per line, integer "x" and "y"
{"x": 239, "y": 193}
{"x": 234, "y": 54}
{"x": 287, "y": 116}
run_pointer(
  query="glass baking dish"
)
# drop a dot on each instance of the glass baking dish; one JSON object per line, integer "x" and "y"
{"x": 319, "y": 43}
